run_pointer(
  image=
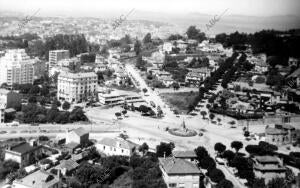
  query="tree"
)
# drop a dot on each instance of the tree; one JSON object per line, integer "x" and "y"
{"x": 144, "y": 148}
{"x": 164, "y": 149}
{"x": 207, "y": 163}
{"x": 237, "y": 145}
{"x": 145, "y": 90}
{"x": 32, "y": 99}
{"x": 124, "y": 112}
{"x": 194, "y": 33}
{"x": 216, "y": 175}
{"x": 57, "y": 103}
{"x": 203, "y": 113}
{"x": 34, "y": 90}
{"x": 220, "y": 148}
{"x": 225, "y": 184}
{"x": 137, "y": 47}
{"x": 66, "y": 105}
{"x": 118, "y": 114}
{"x": 277, "y": 183}
{"x": 211, "y": 116}
{"x": 229, "y": 155}
{"x": 201, "y": 152}
{"x": 147, "y": 38}
{"x": 259, "y": 183}
{"x": 7, "y": 167}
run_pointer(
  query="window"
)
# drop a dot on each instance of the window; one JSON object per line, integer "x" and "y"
{"x": 181, "y": 185}
{"x": 103, "y": 147}
{"x": 172, "y": 184}
{"x": 195, "y": 185}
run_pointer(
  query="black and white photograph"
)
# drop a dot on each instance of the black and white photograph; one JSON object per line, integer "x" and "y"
{"x": 149, "y": 94}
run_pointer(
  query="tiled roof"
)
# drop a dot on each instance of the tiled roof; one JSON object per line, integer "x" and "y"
{"x": 175, "y": 166}
{"x": 68, "y": 164}
{"x": 274, "y": 131}
{"x": 184, "y": 154}
{"x": 119, "y": 143}
{"x": 38, "y": 179}
{"x": 23, "y": 148}
{"x": 267, "y": 159}
{"x": 80, "y": 131}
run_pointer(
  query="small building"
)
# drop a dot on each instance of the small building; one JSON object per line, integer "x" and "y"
{"x": 268, "y": 167}
{"x": 281, "y": 134}
{"x": 9, "y": 98}
{"x": 116, "y": 98}
{"x": 195, "y": 76}
{"x": 115, "y": 146}
{"x": 79, "y": 136}
{"x": 24, "y": 153}
{"x": 178, "y": 172}
{"x": 38, "y": 179}
{"x": 67, "y": 166}
{"x": 188, "y": 155}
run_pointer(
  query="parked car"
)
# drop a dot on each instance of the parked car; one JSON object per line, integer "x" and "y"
{"x": 220, "y": 161}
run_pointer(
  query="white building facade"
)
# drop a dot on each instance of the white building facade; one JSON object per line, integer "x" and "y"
{"x": 56, "y": 55}
{"x": 16, "y": 67}
{"x": 76, "y": 87}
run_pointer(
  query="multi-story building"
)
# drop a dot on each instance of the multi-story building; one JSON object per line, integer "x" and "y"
{"x": 281, "y": 134}
{"x": 115, "y": 146}
{"x": 16, "y": 67}
{"x": 115, "y": 98}
{"x": 179, "y": 172}
{"x": 76, "y": 87}
{"x": 56, "y": 55}
{"x": 268, "y": 167}
{"x": 195, "y": 76}
{"x": 24, "y": 153}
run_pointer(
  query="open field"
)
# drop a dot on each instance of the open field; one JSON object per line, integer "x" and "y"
{"x": 179, "y": 101}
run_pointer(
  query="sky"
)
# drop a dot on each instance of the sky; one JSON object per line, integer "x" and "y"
{"x": 96, "y": 7}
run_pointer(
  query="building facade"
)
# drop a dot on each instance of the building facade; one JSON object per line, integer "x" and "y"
{"x": 56, "y": 55}
{"x": 16, "y": 67}
{"x": 179, "y": 173}
{"x": 115, "y": 146}
{"x": 76, "y": 87}
{"x": 268, "y": 167}
{"x": 24, "y": 153}
{"x": 280, "y": 135}
{"x": 79, "y": 136}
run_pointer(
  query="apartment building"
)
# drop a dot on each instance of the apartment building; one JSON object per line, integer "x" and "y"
{"x": 16, "y": 67}
{"x": 56, "y": 55}
{"x": 76, "y": 87}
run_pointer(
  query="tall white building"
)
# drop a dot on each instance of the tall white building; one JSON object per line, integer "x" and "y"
{"x": 16, "y": 67}
{"x": 76, "y": 87}
{"x": 56, "y": 55}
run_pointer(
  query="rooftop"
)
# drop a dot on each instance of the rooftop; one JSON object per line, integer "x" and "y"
{"x": 184, "y": 154}
{"x": 267, "y": 159}
{"x": 119, "y": 143}
{"x": 274, "y": 131}
{"x": 23, "y": 148}
{"x": 38, "y": 179}
{"x": 77, "y": 75}
{"x": 173, "y": 166}
{"x": 68, "y": 164}
{"x": 80, "y": 131}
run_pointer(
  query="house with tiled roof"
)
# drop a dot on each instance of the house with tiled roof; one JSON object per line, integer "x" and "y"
{"x": 116, "y": 146}
{"x": 189, "y": 155}
{"x": 281, "y": 134}
{"x": 38, "y": 179}
{"x": 268, "y": 167}
{"x": 67, "y": 166}
{"x": 79, "y": 136}
{"x": 178, "y": 172}
{"x": 24, "y": 153}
